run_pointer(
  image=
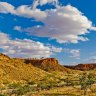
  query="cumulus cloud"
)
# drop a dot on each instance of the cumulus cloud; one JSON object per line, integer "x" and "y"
{"x": 24, "y": 48}
{"x": 23, "y": 10}
{"x": 27, "y": 11}
{"x": 65, "y": 24}
{"x": 6, "y": 8}
{"x": 73, "y": 53}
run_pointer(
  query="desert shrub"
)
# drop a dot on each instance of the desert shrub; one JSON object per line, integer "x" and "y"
{"x": 23, "y": 90}
{"x": 90, "y": 80}
{"x": 44, "y": 86}
{"x": 14, "y": 85}
{"x": 31, "y": 82}
{"x": 53, "y": 84}
{"x": 2, "y": 95}
{"x": 47, "y": 84}
{"x": 86, "y": 81}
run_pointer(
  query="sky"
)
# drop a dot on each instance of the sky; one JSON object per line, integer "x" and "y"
{"x": 62, "y": 29}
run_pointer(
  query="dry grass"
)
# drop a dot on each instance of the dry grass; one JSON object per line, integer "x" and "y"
{"x": 17, "y": 70}
{"x": 66, "y": 91}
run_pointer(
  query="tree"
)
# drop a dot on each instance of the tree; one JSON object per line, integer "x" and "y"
{"x": 90, "y": 80}
{"x": 86, "y": 81}
{"x": 83, "y": 83}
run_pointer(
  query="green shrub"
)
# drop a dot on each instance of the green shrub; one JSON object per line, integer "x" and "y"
{"x": 14, "y": 85}
{"x": 31, "y": 82}
{"x": 23, "y": 90}
{"x": 86, "y": 81}
{"x": 44, "y": 86}
{"x": 2, "y": 95}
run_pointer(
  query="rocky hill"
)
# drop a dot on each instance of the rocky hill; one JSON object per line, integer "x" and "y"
{"x": 47, "y": 64}
{"x": 83, "y": 67}
{"x": 16, "y": 69}
{"x": 28, "y": 69}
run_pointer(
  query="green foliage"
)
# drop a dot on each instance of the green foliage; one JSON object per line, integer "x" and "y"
{"x": 83, "y": 81}
{"x": 91, "y": 79}
{"x": 48, "y": 82}
{"x": 44, "y": 86}
{"x": 3, "y": 95}
{"x": 31, "y": 82}
{"x": 86, "y": 81}
{"x": 14, "y": 85}
{"x": 22, "y": 90}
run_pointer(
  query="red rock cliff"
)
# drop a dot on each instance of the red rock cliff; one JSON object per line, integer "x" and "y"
{"x": 47, "y": 64}
{"x": 83, "y": 67}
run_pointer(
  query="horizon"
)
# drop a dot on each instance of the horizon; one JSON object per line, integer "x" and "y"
{"x": 61, "y": 29}
{"x": 42, "y": 58}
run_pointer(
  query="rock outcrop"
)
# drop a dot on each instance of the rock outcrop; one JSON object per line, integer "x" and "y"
{"x": 28, "y": 69}
{"x": 83, "y": 67}
{"x": 47, "y": 64}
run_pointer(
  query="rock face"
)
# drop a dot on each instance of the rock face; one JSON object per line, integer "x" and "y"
{"x": 83, "y": 67}
{"x": 48, "y": 64}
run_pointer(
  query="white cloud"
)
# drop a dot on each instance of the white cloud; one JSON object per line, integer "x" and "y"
{"x": 17, "y": 28}
{"x": 24, "y": 48}
{"x": 27, "y": 11}
{"x": 43, "y": 2}
{"x": 92, "y": 59}
{"x": 6, "y": 8}
{"x": 23, "y": 10}
{"x": 65, "y": 24}
{"x": 93, "y": 28}
{"x": 55, "y": 49}
{"x": 73, "y": 53}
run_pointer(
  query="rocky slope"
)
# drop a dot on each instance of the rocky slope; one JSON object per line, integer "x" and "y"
{"x": 48, "y": 64}
{"x": 83, "y": 67}
{"x": 16, "y": 69}
{"x": 28, "y": 69}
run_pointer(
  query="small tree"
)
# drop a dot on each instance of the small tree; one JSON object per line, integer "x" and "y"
{"x": 83, "y": 84}
{"x": 90, "y": 80}
{"x": 86, "y": 81}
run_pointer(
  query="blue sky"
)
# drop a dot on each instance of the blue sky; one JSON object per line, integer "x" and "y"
{"x": 63, "y": 29}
